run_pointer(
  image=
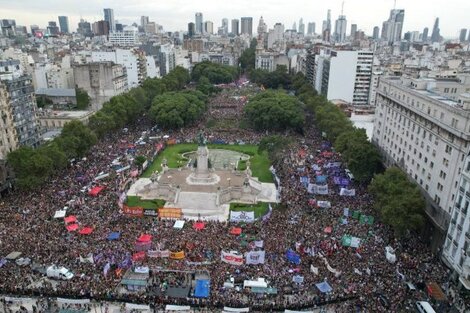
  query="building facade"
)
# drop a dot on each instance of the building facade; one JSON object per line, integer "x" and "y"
{"x": 101, "y": 80}
{"x": 427, "y": 135}
{"x": 127, "y": 38}
{"x": 64, "y": 24}
{"x": 109, "y": 17}
{"x": 246, "y": 26}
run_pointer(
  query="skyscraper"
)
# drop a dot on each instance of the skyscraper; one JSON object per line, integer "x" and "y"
{"x": 463, "y": 35}
{"x": 340, "y": 28}
{"x": 198, "y": 22}
{"x": 262, "y": 27}
{"x": 376, "y": 32}
{"x": 301, "y": 26}
{"x": 247, "y": 25}
{"x": 235, "y": 27}
{"x": 208, "y": 27}
{"x": 52, "y": 28}
{"x": 144, "y": 20}
{"x": 392, "y": 28}
{"x": 64, "y": 24}
{"x": 353, "y": 30}
{"x": 425, "y": 34}
{"x": 191, "y": 29}
{"x": 311, "y": 28}
{"x": 225, "y": 26}
{"x": 109, "y": 17}
{"x": 436, "y": 36}
{"x": 84, "y": 28}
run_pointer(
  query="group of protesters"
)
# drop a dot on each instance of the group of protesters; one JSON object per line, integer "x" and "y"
{"x": 360, "y": 277}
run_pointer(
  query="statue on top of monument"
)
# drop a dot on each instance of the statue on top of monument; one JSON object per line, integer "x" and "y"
{"x": 201, "y": 140}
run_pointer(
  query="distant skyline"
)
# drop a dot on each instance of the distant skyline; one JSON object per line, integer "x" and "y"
{"x": 174, "y": 15}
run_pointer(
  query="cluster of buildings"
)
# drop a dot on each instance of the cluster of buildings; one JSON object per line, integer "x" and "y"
{"x": 417, "y": 83}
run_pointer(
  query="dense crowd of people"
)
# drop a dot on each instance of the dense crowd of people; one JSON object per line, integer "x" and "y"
{"x": 361, "y": 278}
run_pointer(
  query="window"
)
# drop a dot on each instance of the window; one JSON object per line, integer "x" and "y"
{"x": 448, "y": 149}
{"x": 431, "y": 165}
{"x": 439, "y": 187}
{"x": 445, "y": 162}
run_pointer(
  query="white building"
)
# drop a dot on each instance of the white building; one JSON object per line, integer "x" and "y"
{"x": 456, "y": 252}
{"x": 345, "y": 75}
{"x": 127, "y": 38}
{"x": 427, "y": 136}
{"x": 133, "y": 60}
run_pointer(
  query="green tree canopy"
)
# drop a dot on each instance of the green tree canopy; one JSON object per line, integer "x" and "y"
{"x": 177, "y": 109}
{"x": 362, "y": 156}
{"x": 398, "y": 201}
{"x": 83, "y": 99}
{"x": 215, "y": 73}
{"x": 274, "y": 110}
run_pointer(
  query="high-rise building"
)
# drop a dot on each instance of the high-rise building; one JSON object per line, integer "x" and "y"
{"x": 392, "y": 28}
{"x": 311, "y": 28}
{"x": 345, "y": 75}
{"x": 101, "y": 28}
{"x": 294, "y": 27}
{"x": 198, "y": 23}
{"x": 127, "y": 38}
{"x": 64, "y": 24}
{"x": 340, "y": 29}
{"x": 247, "y": 25}
{"x": 8, "y": 27}
{"x": 144, "y": 20}
{"x": 301, "y": 26}
{"x": 375, "y": 33}
{"x": 436, "y": 36}
{"x": 235, "y": 27}
{"x": 109, "y": 17}
{"x": 424, "y": 38}
{"x": 353, "y": 30}
{"x": 225, "y": 26}
{"x": 326, "y": 27}
{"x": 262, "y": 27}
{"x": 191, "y": 29}
{"x": 52, "y": 29}
{"x": 84, "y": 28}
{"x": 209, "y": 27}
{"x": 463, "y": 35}
{"x": 22, "y": 101}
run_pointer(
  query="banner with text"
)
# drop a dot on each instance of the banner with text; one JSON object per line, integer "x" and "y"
{"x": 242, "y": 216}
{"x": 231, "y": 257}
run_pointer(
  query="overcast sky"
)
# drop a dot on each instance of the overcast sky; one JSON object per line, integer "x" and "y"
{"x": 176, "y": 14}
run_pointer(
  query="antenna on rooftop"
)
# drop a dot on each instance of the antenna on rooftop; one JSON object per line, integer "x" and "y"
{"x": 394, "y": 4}
{"x": 342, "y": 7}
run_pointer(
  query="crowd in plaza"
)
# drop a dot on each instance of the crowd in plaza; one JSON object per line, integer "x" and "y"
{"x": 360, "y": 277}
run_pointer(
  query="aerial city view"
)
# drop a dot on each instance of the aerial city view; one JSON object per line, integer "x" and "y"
{"x": 245, "y": 156}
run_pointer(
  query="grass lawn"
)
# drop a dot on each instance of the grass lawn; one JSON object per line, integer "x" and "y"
{"x": 133, "y": 201}
{"x": 260, "y": 208}
{"x": 259, "y": 162}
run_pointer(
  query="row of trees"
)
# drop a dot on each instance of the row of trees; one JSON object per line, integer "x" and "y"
{"x": 126, "y": 108}
{"x": 33, "y": 166}
{"x": 357, "y": 151}
{"x": 215, "y": 73}
{"x": 274, "y": 110}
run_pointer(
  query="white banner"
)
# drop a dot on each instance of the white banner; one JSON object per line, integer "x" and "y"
{"x": 320, "y": 189}
{"x": 242, "y": 216}
{"x": 314, "y": 269}
{"x": 158, "y": 253}
{"x": 255, "y": 257}
{"x": 347, "y": 192}
{"x": 259, "y": 243}
{"x": 232, "y": 257}
{"x": 298, "y": 279}
{"x": 73, "y": 301}
{"x": 324, "y": 204}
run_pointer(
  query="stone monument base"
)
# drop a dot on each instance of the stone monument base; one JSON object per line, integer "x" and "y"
{"x": 202, "y": 179}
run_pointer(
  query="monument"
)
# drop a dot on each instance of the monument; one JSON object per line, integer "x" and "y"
{"x": 206, "y": 186}
{"x": 202, "y": 174}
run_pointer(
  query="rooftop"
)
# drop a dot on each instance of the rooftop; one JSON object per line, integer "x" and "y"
{"x": 56, "y": 92}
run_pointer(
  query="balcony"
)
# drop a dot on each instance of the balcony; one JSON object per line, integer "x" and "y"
{"x": 467, "y": 235}
{"x": 459, "y": 227}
